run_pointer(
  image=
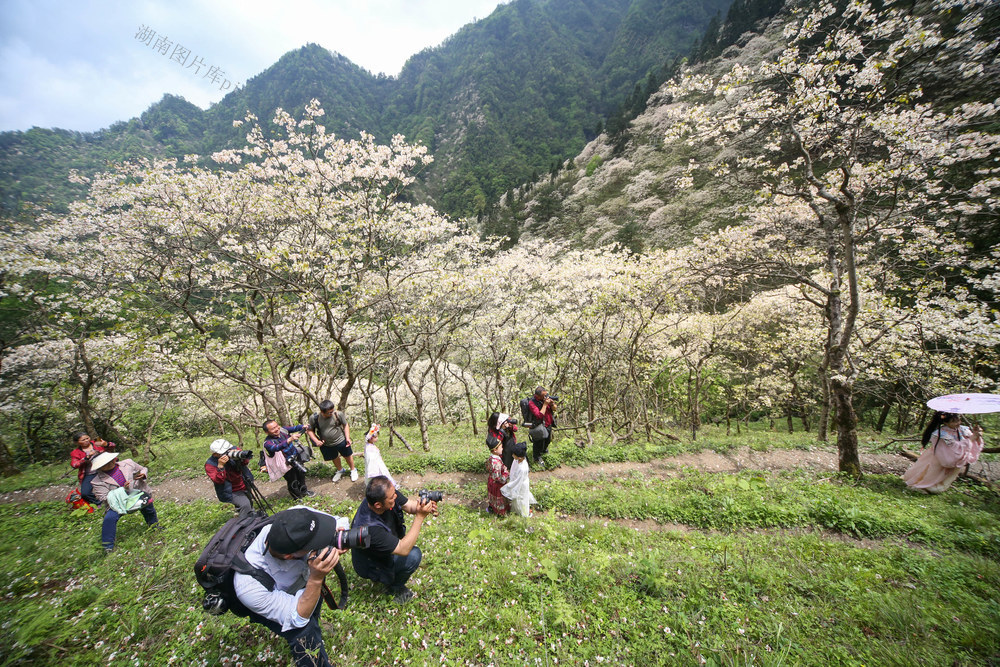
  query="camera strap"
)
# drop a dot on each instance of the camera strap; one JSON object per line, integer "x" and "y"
{"x": 331, "y": 601}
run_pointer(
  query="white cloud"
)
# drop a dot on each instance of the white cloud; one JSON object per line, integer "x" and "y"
{"x": 77, "y": 65}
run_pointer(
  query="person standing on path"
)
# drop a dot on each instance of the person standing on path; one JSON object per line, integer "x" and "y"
{"x": 330, "y": 431}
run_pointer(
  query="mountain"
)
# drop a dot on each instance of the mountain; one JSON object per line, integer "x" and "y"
{"x": 499, "y": 100}
{"x": 619, "y": 188}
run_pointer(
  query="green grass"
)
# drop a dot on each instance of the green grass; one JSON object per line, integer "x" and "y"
{"x": 510, "y": 592}
{"x": 764, "y": 569}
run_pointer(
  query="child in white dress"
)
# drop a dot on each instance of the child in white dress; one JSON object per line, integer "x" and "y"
{"x": 518, "y": 487}
{"x": 374, "y": 465}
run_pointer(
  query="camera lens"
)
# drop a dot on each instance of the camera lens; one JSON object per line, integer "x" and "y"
{"x": 353, "y": 538}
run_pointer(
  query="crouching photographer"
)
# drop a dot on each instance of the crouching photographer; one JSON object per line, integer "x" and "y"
{"x": 227, "y": 468}
{"x": 287, "y": 565}
{"x": 392, "y": 557}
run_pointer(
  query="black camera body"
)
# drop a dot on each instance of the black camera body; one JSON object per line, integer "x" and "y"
{"x": 554, "y": 399}
{"x": 430, "y": 496}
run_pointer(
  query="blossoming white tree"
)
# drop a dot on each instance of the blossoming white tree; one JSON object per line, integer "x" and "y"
{"x": 277, "y": 260}
{"x": 859, "y": 176}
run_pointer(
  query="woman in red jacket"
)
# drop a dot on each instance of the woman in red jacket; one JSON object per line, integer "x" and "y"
{"x": 80, "y": 458}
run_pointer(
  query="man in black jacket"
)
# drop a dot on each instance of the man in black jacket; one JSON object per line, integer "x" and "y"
{"x": 393, "y": 555}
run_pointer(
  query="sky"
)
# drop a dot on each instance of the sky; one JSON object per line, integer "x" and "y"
{"x": 85, "y": 64}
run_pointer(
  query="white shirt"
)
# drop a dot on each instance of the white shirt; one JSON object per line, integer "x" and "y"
{"x": 281, "y": 604}
{"x": 374, "y": 465}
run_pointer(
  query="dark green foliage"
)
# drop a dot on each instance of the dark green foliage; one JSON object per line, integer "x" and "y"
{"x": 497, "y": 101}
{"x": 742, "y": 16}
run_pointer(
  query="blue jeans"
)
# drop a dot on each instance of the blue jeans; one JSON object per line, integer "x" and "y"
{"x": 109, "y": 529}
{"x": 306, "y": 643}
{"x": 403, "y": 568}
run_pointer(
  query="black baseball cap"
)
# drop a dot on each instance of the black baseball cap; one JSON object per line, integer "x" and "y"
{"x": 301, "y": 529}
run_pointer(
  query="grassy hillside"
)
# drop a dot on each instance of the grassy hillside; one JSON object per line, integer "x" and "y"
{"x": 754, "y": 568}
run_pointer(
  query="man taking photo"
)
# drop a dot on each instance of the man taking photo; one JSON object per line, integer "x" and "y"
{"x": 294, "y": 555}
{"x": 543, "y": 413}
{"x": 227, "y": 476}
{"x": 393, "y": 556}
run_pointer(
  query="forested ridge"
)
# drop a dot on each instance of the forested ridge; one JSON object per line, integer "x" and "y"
{"x": 501, "y": 98}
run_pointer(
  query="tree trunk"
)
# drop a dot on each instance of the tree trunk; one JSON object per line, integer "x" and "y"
{"x": 439, "y": 393}
{"x": 824, "y": 413}
{"x": 418, "y": 401}
{"x": 7, "y": 466}
{"x": 847, "y": 427}
{"x": 884, "y": 414}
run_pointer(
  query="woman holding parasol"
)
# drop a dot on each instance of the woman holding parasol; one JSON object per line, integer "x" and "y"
{"x": 952, "y": 445}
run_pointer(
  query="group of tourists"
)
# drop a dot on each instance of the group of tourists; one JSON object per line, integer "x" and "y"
{"x": 288, "y": 560}
{"x": 121, "y": 485}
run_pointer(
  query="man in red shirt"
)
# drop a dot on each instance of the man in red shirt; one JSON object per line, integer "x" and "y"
{"x": 227, "y": 475}
{"x": 543, "y": 411}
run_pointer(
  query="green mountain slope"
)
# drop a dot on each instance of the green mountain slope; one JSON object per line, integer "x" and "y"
{"x": 498, "y": 100}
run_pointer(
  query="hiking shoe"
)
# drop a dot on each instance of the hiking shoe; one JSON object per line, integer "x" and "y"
{"x": 337, "y": 475}
{"x": 403, "y": 596}
{"x": 354, "y": 475}
{"x": 540, "y": 463}
{"x": 308, "y": 494}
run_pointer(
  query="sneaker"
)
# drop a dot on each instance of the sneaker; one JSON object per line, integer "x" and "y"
{"x": 540, "y": 463}
{"x": 338, "y": 475}
{"x": 403, "y": 596}
{"x": 309, "y": 494}
{"x": 354, "y": 475}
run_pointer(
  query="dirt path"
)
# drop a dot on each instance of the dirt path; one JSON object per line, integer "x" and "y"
{"x": 186, "y": 490}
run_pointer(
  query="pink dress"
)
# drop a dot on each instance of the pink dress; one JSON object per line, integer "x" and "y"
{"x": 947, "y": 453}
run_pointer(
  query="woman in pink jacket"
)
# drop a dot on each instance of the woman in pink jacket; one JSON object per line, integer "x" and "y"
{"x": 113, "y": 474}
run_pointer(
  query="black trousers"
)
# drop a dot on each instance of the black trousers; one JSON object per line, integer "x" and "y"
{"x": 306, "y": 643}
{"x": 296, "y": 481}
{"x": 539, "y": 445}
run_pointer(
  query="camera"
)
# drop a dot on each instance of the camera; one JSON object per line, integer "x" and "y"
{"x": 430, "y": 496}
{"x": 215, "y": 604}
{"x": 240, "y": 455}
{"x": 293, "y": 461}
{"x": 352, "y": 538}
{"x": 554, "y": 399}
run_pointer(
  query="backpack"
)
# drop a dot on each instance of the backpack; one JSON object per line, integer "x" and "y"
{"x": 76, "y": 501}
{"x": 223, "y": 558}
{"x": 527, "y": 419}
